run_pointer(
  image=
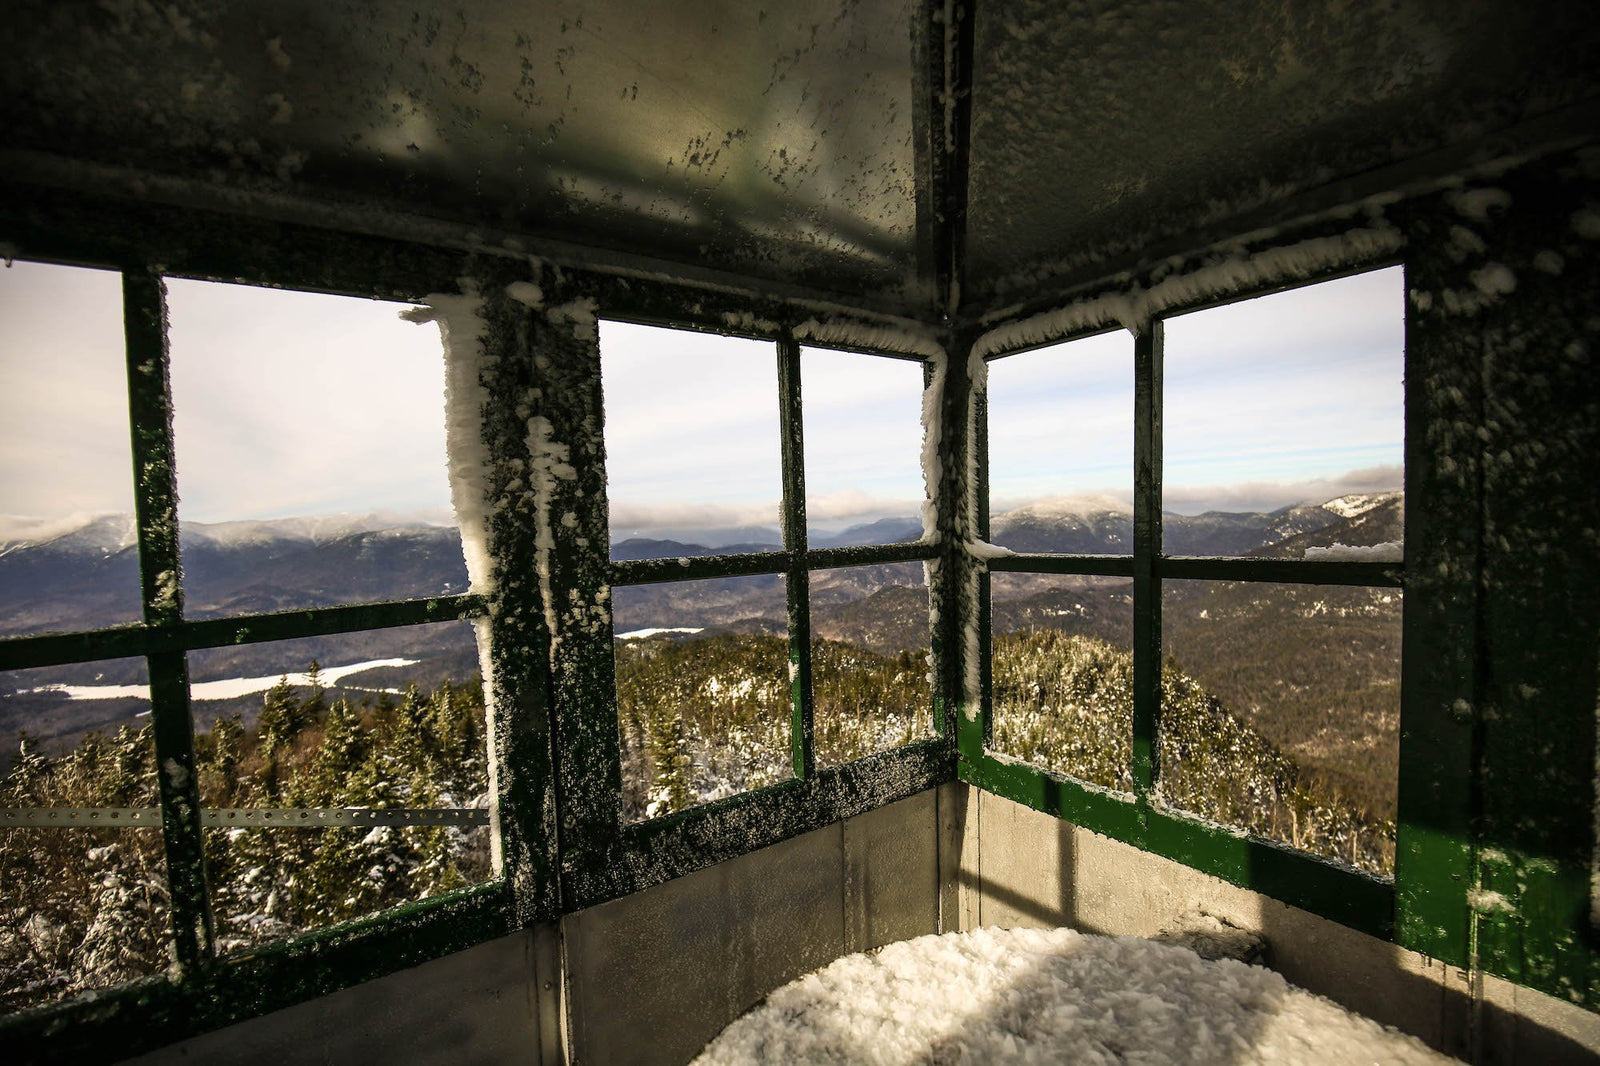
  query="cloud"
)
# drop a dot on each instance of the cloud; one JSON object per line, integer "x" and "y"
{"x": 1270, "y": 495}
{"x": 643, "y": 519}
{"x": 834, "y": 512}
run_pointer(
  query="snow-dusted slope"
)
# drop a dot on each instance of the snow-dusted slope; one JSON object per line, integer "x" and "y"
{"x": 1030, "y": 995}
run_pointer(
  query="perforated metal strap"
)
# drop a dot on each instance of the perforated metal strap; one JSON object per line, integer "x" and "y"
{"x": 245, "y": 817}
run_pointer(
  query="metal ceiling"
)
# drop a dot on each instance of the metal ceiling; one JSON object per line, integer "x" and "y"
{"x": 806, "y": 143}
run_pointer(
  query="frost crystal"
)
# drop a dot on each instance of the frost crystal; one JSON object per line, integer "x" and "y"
{"x": 462, "y": 330}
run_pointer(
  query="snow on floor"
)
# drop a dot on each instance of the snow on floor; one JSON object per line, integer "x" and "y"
{"x": 1051, "y": 996}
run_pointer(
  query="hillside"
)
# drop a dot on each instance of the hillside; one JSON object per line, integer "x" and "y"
{"x": 1066, "y": 703}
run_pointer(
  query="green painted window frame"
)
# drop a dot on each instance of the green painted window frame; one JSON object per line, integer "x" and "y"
{"x": 1333, "y": 890}
{"x": 203, "y": 989}
{"x": 546, "y": 706}
{"x": 609, "y": 858}
{"x": 542, "y": 785}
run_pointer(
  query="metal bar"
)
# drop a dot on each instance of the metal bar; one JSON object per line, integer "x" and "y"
{"x": 298, "y": 817}
{"x": 959, "y": 611}
{"x": 1089, "y": 565}
{"x": 523, "y": 708}
{"x": 980, "y": 519}
{"x": 649, "y": 853}
{"x": 1283, "y": 571}
{"x": 949, "y": 27}
{"x": 155, "y": 1012}
{"x": 160, "y": 572}
{"x": 791, "y": 422}
{"x": 58, "y": 649}
{"x": 915, "y": 551}
{"x": 695, "y": 568}
{"x": 1146, "y": 549}
{"x": 350, "y": 618}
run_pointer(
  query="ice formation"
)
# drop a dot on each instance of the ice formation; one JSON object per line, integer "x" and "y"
{"x": 462, "y": 329}
{"x": 1388, "y": 552}
{"x": 1032, "y": 995}
{"x": 1134, "y": 308}
{"x": 888, "y": 338}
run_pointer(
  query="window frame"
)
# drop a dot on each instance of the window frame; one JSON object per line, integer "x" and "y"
{"x": 542, "y": 695}
{"x": 164, "y": 638}
{"x": 1354, "y": 897}
{"x": 203, "y": 990}
{"x": 609, "y": 858}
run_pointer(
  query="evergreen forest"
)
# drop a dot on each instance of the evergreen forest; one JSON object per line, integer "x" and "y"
{"x": 698, "y": 719}
{"x": 87, "y": 908}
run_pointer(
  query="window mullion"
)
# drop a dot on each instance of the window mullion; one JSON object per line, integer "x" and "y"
{"x": 980, "y": 446}
{"x": 1146, "y": 549}
{"x": 791, "y": 423}
{"x": 156, "y": 516}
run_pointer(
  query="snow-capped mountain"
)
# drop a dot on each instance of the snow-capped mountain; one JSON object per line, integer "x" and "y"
{"x": 83, "y": 572}
{"x": 1104, "y": 525}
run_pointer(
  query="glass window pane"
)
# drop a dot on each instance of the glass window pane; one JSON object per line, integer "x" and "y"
{"x": 692, "y": 456}
{"x": 270, "y": 883}
{"x": 1062, "y": 665}
{"x": 392, "y": 718}
{"x": 1281, "y": 713}
{"x": 869, "y": 660}
{"x": 68, "y": 558}
{"x": 1061, "y": 447}
{"x": 863, "y": 444}
{"x": 1284, "y": 423}
{"x": 310, "y": 444}
{"x": 77, "y": 736}
{"x": 702, "y": 691}
{"x": 80, "y": 909}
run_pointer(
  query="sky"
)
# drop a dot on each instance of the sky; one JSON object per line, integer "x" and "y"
{"x": 296, "y": 403}
{"x": 692, "y": 437}
{"x": 1281, "y": 399}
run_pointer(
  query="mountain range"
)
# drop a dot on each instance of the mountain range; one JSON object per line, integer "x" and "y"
{"x": 83, "y": 574}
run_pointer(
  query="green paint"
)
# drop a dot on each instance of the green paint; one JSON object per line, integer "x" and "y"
{"x": 791, "y": 430}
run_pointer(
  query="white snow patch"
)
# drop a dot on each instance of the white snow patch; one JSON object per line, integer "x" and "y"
{"x": 982, "y": 549}
{"x": 226, "y": 689}
{"x": 1388, "y": 552}
{"x": 282, "y": 110}
{"x": 527, "y": 294}
{"x": 1036, "y": 996}
{"x": 461, "y": 330}
{"x": 643, "y": 634}
{"x": 1586, "y": 223}
{"x": 114, "y": 531}
{"x": 177, "y": 774}
{"x": 277, "y": 55}
{"x": 549, "y": 462}
{"x": 1238, "y": 274}
{"x": 1494, "y": 280}
{"x": 580, "y": 316}
{"x": 1477, "y": 203}
{"x": 1357, "y": 503}
{"x": 1055, "y": 508}
{"x": 1488, "y": 901}
{"x": 749, "y": 321}
{"x": 889, "y": 338}
{"x": 1549, "y": 262}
